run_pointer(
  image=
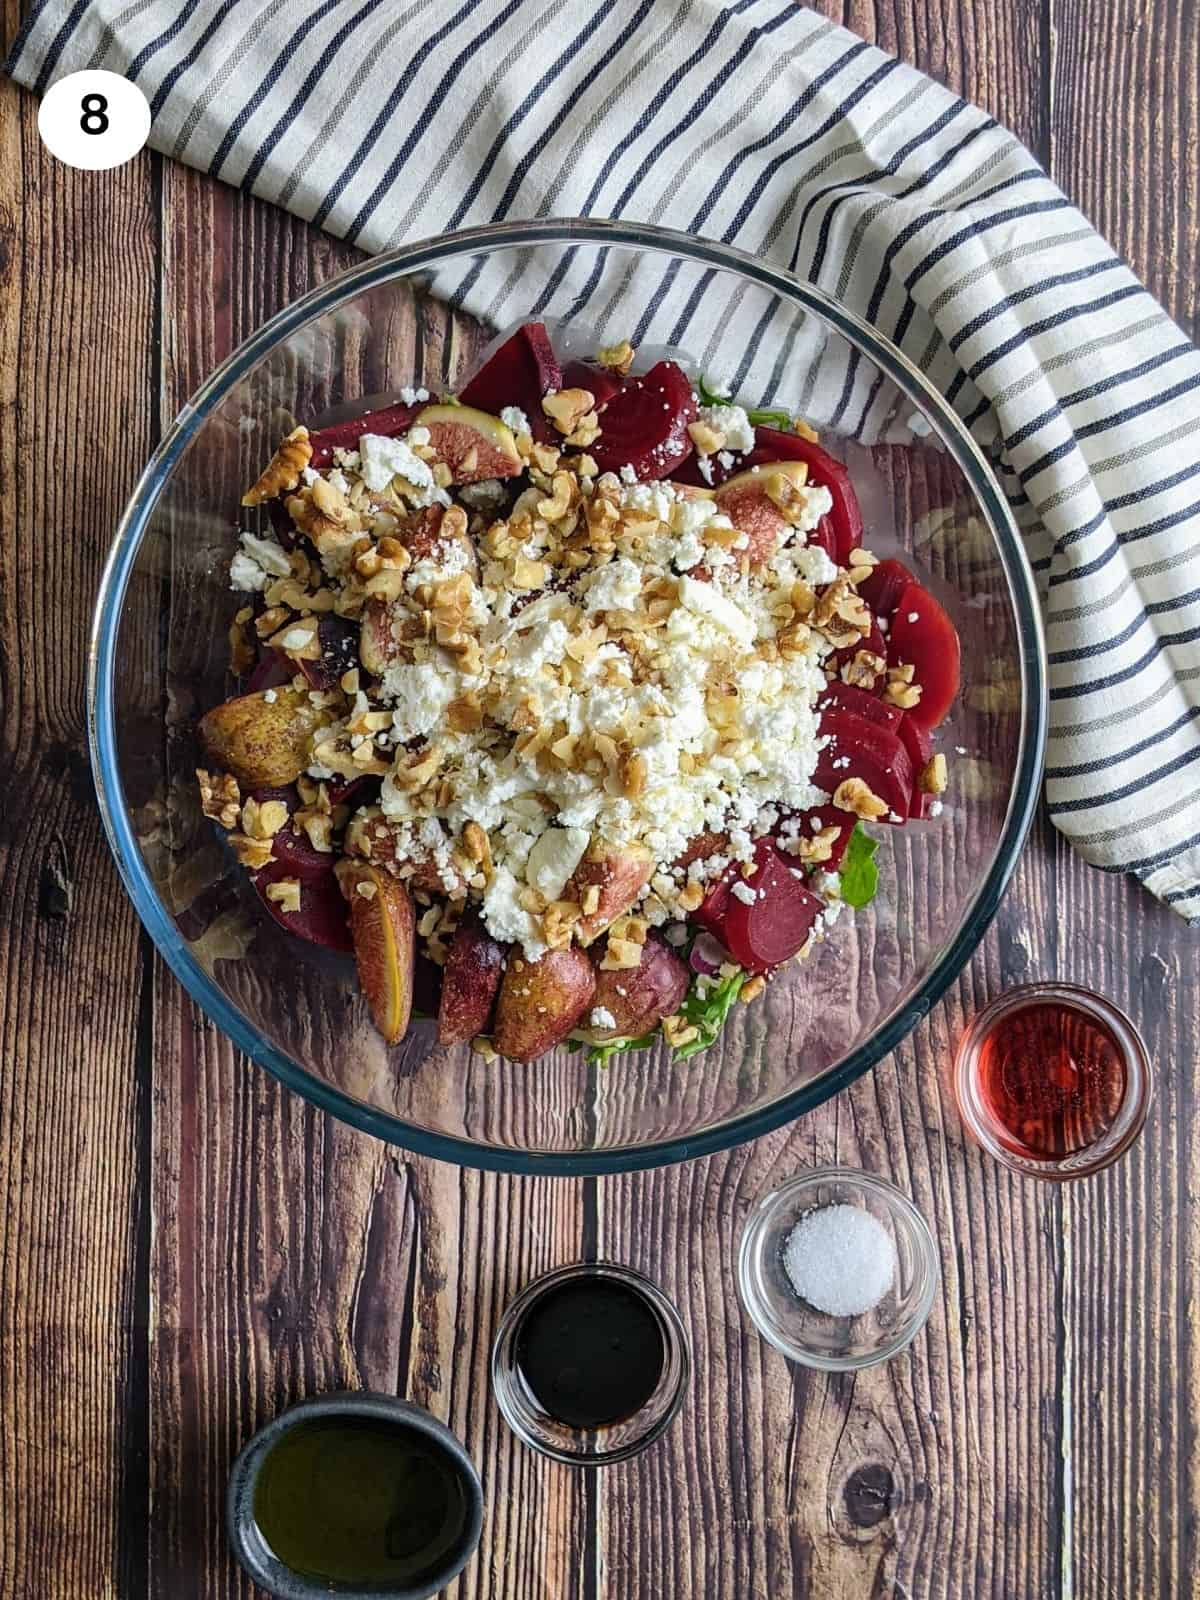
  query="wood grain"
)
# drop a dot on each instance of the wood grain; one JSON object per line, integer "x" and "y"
{"x": 185, "y": 1247}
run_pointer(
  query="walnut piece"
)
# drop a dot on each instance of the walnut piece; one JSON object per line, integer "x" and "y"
{"x": 617, "y": 358}
{"x": 567, "y": 408}
{"x": 220, "y": 797}
{"x": 853, "y": 795}
{"x": 285, "y": 892}
{"x": 932, "y": 777}
{"x": 282, "y": 472}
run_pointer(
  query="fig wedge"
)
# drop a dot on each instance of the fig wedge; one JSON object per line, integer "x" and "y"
{"x": 617, "y": 877}
{"x": 338, "y": 640}
{"x": 638, "y": 998}
{"x": 264, "y": 743}
{"x": 541, "y": 1001}
{"x": 473, "y": 444}
{"x": 745, "y": 500}
{"x": 382, "y": 925}
{"x": 519, "y": 373}
{"x": 470, "y": 978}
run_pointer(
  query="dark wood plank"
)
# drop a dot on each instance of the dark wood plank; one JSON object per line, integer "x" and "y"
{"x": 1125, "y": 99}
{"x": 78, "y": 253}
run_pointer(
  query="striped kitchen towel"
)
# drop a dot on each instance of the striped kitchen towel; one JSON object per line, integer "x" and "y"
{"x": 761, "y": 123}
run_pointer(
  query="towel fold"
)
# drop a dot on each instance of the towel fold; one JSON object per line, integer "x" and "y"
{"x": 765, "y": 125}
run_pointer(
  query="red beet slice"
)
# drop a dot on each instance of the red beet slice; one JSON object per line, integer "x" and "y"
{"x": 711, "y": 912}
{"x": 590, "y": 375}
{"x": 919, "y": 744}
{"x": 323, "y": 917}
{"x": 839, "y": 696}
{"x": 272, "y": 672}
{"x": 884, "y": 587}
{"x": 644, "y": 426}
{"x": 339, "y": 652}
{"x": 341, "y": 791}
{"x": 923, "y": 637}
{"x": 769, "y": 929}
{"x": 520, "y": 373}
{"x": 861, "y": 749}
{"x": 387, "y": 422}
{"x": 297, "y": 856}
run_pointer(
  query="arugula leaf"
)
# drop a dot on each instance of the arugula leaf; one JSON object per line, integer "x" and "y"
{"x": 767, "y": 418}
{"x": 600, "y": 1054}
{"x": 860, "y": 875}
{"x": 708, "y": 1011}
{"x": 771, "y": 419}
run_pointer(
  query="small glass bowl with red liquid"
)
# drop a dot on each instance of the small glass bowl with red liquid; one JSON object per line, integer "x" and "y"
{"x": 1053, "y": 1080}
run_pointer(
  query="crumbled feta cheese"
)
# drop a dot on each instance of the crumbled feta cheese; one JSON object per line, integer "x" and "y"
{"x": 513, "y": 417}
{"x": 705, "y": 600}
{"x": 486, "y": 495}
{"x": 270, "y": 696}
{"x": 418, "y": 695}
{"x": 385, "y": 459}
{"x": 742, "y": 891}
{"x": 602, "y": 1017}
{"x": 616, "y": 587}
{"x": 733, "y": 422}
{"x": 413, "y": 397}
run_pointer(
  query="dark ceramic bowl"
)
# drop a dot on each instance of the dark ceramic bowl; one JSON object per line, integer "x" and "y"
{"x": 256, "y": 1556}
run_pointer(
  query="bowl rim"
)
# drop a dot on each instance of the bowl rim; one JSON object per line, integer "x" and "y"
{"x": 423, "y": 255}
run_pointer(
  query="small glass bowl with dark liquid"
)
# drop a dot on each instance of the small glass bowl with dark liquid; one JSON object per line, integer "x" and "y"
{"x": 1053, "y": 1080}
{"x": 590, "y": 1364}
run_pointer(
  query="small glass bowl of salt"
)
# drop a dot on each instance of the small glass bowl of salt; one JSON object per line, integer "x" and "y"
{"x": 837, "y": 1269}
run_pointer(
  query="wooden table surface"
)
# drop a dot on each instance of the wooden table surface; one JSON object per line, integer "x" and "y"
{"x": 185, "y": 1247}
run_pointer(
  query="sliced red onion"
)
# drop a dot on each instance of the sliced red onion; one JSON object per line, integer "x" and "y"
{"x": 708, "y": 955}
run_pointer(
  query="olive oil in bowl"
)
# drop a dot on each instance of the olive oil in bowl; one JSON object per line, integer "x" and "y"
{"x": 354, "y": 1495}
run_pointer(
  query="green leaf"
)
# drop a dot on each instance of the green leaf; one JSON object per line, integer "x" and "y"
{"x": 709, "y": 1010}
{"x": 600, "y": 1054}
{"x": 860, "y": 875}
{"x": 771, "y": 419}
{"x": 708, "y": 397}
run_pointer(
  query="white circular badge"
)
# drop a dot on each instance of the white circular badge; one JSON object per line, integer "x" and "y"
{"x": 94, "y": 120}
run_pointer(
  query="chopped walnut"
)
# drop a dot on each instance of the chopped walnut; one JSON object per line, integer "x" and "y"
{"x": 678, "y": 1031}
{"x": 483, "y": 1046}
{"x": 620, "y": 954}
{"x": 251, "y": 853}
{"x": 285, "y": 892}
{"x": 817, "y": 847}
{"x": 220, "y": 797}
{"x": 932, "y": 778}
{"x": 567, "y": 408}
{"x": 558, "y": 922}
{"x": 904, "y": 695}
{"x": 841, "y": 612}
{"x": 751, "y": 990}
{"x": 242, "y": 654}
{"x": 634, "y": 772}
{"x": 853, "y": 795}
{"x": 282, "y": 472}
{"x": 617, "y": 358}
{"x": 263, "y": 819}
{"x": 865, "y": 670}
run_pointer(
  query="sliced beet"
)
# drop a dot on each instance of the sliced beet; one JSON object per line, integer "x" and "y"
{"x": 599, "y": 381}
{"x": 520, "y": 373}
{"x": 294, "y": 852}
{"x": 861, "y": 749}
{"x": 388, "y": 422}
{"x": 711, "y": 911}
{"x": 644, "y": 426}
{"x": 884, "y": 587}
{"x": 839, "y": 696}
{"x": 919, "y": 744}
{"x": 764, "y": 931}
{"x": 272, "y": 672}
{"x": 339, "y": 652}
{"x": 341, "y": 791}
{"x": 923, "y": 637}
{"x": 323, "y": 917}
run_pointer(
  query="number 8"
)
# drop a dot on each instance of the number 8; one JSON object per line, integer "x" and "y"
{"x": 93, "y": 119}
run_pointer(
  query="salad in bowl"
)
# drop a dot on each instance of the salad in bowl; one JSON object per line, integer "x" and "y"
{"x": 567, "y": 703}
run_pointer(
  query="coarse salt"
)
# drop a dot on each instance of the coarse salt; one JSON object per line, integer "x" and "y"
{"x": 840, "y": 1259}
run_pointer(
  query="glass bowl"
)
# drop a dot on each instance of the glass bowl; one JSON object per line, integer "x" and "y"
{"x": 590, "y": 1447}
{"x": 815, "y": 1338}
{"x": 159, "y": 656}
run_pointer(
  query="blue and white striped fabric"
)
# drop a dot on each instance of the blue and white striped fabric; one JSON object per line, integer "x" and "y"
{"x": 761, "y": 123}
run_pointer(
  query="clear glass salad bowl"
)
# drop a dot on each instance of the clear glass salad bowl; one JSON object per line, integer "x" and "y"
{"x": 160, "y": 653}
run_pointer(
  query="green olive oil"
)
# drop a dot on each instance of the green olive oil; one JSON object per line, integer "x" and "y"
{"x": 359, "y": 1500}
